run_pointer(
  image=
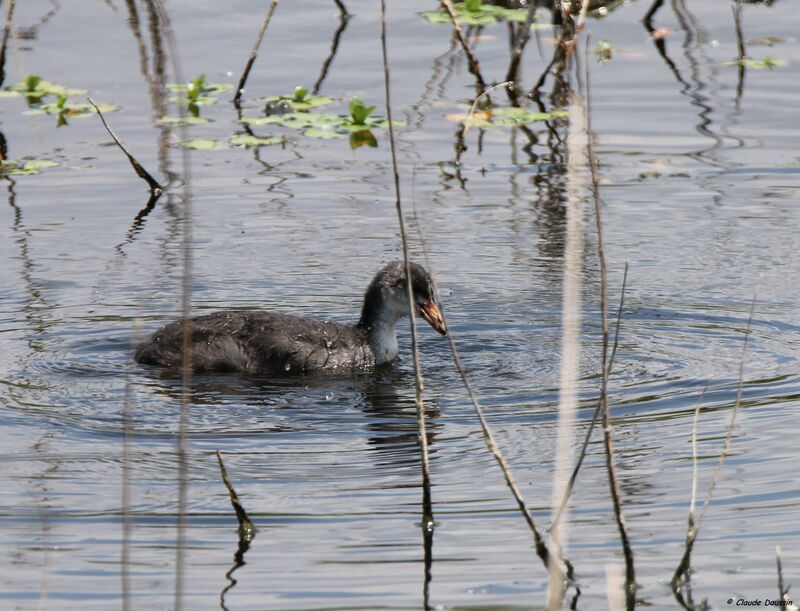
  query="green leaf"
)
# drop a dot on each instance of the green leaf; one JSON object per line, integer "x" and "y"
{"x": 359, "y": 111}
{"x": 200, "y": 100}
{"x": 300, "y": 93}
{"x": 768, "y": 63}
{"x": 43, "y": 88}
{"x": 325, "y": 134}
{"x": 63, "y": 109}
{"x": 248, "y": 141}
{"x": 270, "y": 120}
{"x": 309, "y": 102}
{"x": 177, "y": 120}
{"x": 505, "y": 117}
{"x": 361, "y": 138}
{"x": 12, "y": 167}
{"x": 202, "y": 144}
{"x": 204, "y": 87}
{"x": 32, "y": 82}
{"x": 474, "y": 12}
{"x": 766, "y": 40}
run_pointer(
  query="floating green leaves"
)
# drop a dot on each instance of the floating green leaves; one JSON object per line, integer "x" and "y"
{"x": 13, "y": 167}
{"x": 766, "y": 41}
{"x": 62, "y": 107}
{"x": 202, "y": 144}
{"x": 768, "y": 63}
{"x": 34, "y": 88}
{"x": 505, "y": 117}
{"x": 197, "y": 93}
{"x": 359, "y": 112}
{"x": 241, "y": 140}
{"x": 248, "y": 141}
{"x": 474, "y": 12}
{"x": 64, "y": 110}
{"x": 322, "y": 134}
{"x": 328, "y": 126}
{"x": 174, "y": 120}
{"x": 198, "y": 86}
{"x": 300, "y": 100}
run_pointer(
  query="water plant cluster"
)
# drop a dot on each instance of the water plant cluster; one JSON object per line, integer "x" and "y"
{"x": 475, "y": 12}
{"x": 35, "y": 90}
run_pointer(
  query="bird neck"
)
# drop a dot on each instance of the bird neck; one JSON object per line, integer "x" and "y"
{"x": 379, "y": 318}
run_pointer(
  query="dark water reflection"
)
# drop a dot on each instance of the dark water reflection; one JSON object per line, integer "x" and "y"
{"x": 699, "y": 173}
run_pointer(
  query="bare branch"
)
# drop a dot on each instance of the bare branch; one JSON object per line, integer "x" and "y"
{"x": 427, "y": 509}
{"x": 254, "y": 53}
{"x": 155, "y": 188}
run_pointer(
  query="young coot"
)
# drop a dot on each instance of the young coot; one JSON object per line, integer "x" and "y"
{"x": 259, "y": 342}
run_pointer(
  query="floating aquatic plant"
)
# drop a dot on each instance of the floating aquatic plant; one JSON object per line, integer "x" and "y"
{"x": 766, "y": 41}
{"x": 504, "y": 117}
{"x": 768, "y": 63}
{"x": 299, "y": 101}
{"x": 475, "y": 12}
{"x": 34, "y": 88}
{"x": 64, "y": 110}
{"x": 197, "y": 93}
{"x": 248, "y": 141}
{"x": 202, "y": 144}
{"x": 242, "y": 140}
{"x": 175, "y": 120}
{"x": 14, "y": 167}
{"x": 329, "y": 126}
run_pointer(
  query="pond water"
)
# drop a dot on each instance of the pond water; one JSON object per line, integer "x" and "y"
{"x": 699, "y": 176}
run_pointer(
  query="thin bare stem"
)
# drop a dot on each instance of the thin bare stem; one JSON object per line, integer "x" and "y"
{"x": 127, "y": 433}
{"x": 246, "y": 527}
{"x": 323, "y": 73}
{"x": 472, "y": 61}
{"x": 246, "y": 531}
{"x": 186, "y": 299}
{"x": 516, "y": 54}
{"x": 783, "y": 593}
{"x": 478, "y": 99}
{"x": 613, "y": 480}
{"x": 342, "y": 8}
{"x": 595, "y": 416}
{"x": 737, "y": 20}
{"x": 682, "y": 571}
{"x": 729, "y": 434}
{"x": 539, "y": 543}
{"x": 6, "y": 34}
{"x": 155, "y": 187}
{"x": 427, "y": 509}
{"x": 564, "y": 48}
{"x": 254, "y": 53}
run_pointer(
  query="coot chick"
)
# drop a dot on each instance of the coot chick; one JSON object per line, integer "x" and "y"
{"x": 257, "y": 342}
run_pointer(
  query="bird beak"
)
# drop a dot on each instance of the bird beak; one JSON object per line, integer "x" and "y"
{"x": 430, "y": 312}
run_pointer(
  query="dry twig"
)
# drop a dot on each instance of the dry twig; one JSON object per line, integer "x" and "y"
{"x": 472, "y": 61}
{"x": 539, "y": 544}
{"x": 155, "y": 188}
{"x": 254, "y": 53}
{"x": 681, "y": 576}
{"x": 427, "y": 508}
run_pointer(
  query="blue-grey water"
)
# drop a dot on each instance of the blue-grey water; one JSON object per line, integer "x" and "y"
{"x": 699, "y": 168}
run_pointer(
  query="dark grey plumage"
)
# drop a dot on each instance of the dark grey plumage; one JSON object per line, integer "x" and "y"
{"x": 257, "y": 342}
